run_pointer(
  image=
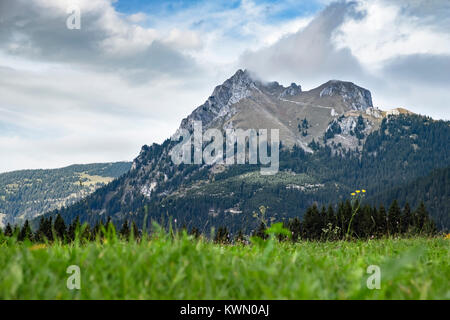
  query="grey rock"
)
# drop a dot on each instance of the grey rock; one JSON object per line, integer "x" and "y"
{"x": 358, "y": 98}
{"x": 292, "y": 90}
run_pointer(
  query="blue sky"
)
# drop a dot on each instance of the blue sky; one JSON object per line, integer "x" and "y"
{"x": 169, "y": 7}
{"x": 136, "y": 68}
{"x": 272, "y": 12}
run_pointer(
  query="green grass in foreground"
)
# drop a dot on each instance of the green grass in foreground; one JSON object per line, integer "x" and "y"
{"x": 188, "y": 269}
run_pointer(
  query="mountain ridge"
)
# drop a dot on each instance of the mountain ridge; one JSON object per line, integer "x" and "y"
{"x": 333, "y": 141}
{"x": 26, "y": 194}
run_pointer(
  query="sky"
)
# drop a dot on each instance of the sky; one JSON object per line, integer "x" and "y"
{"x": 135, "y": 69}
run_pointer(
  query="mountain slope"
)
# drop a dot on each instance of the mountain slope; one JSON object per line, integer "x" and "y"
{"x": 433, "y": 190}
{"x": 29, "y": 193}
{"x": 335, "y": 141}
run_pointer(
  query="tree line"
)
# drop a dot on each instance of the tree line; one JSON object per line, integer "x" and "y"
{"x": 350, "y": 220}
{"x": 329, "y": 224}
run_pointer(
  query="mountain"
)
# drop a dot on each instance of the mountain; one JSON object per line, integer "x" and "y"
{"x": 241, "y": 102}
{"x": 333, "y": 141}
{"x": 27, "y": 194}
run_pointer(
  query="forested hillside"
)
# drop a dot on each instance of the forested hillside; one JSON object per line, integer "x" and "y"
{"x": 433, "y": 190}
{"x": 28, "y": 193}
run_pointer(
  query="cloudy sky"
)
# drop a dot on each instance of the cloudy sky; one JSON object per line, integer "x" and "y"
{"x": 135, "y": 68}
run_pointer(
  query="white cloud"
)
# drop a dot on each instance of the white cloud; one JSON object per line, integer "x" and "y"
{"x": 308, "y": 55}
{"x": 386, "y": 32}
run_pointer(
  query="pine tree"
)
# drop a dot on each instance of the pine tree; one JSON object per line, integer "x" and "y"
{"x": 48, "y": 229}
{"x": 381, "y": 223}
{"x": 60, "y": 227}
{"x": 312, "y": 223}
{"x": 39, "y": 235}
{"x": 44, "y": 231}
{"x": 25, "y": 233}
{"x": 393, "y": 218}
{"x": 363, "y": 222}
{"x": 344, "y": 215}
{"x": 424, "y": 225}
{"x": 295, "y": 226}
{"x": 74, "y": 228}
{"x": 8, "y": 231}
{"x": 331, "y": 217}
{"x": 406, "y": 219}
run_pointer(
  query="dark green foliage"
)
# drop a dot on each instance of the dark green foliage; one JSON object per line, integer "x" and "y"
{"x": 25, "y": 233}
{"x": 125, "y": 230}
{"x": 295, "y": 226}
{"x": 60, "y": 227}
{"x": 222, "y": 236}
{"x": 314, "y": 145}
{"x": 73, "y": 227}
{"x": 313, "y": 223}
{"x": 261, "y": 231}
{"x": 422, "y": 222}
{"x": 135, "y": 230}
{"x": 8, "y": 230}
{"x": 433, "y": 190}
{"x": 359, "y": 129}
{"x": 333, "y": 129}
{"x": 195, "y": 232}
{"x": 381, "y": 221}
{"x": 407, "y": 220}
{"x": 394, "y": 219}
{"x": 303, "y": 127}
{"x": 325, "y": 224}
{"x": 44, "y": 231}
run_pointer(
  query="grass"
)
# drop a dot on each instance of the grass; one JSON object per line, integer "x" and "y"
{"x": 184, "y": 268}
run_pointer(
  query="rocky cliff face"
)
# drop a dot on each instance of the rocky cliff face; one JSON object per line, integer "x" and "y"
{"x": 356, "y": 97}
{"x": 292, "y": 90}
{"x": 243, "y": 102}
{"x": 220, "y": 103}
{"x": 220, "y": 106}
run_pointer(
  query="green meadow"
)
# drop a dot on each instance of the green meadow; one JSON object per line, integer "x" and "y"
{"x": 182, "y": 267}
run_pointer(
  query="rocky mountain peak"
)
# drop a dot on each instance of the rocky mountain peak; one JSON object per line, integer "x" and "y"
{"x": 219, "y": 104}
{"x": 356, "y": 97}
{"x": 292, "y": 90}
{"x": 243, "y": 101}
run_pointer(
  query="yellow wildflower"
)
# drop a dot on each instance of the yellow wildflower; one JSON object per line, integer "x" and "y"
{"x": 447, "y": 237}
{"x": 38, "y": 246}
{"x": 357, "y": 191}
{"x": 353, "y": 194}
{"x": 364, "y": 191}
